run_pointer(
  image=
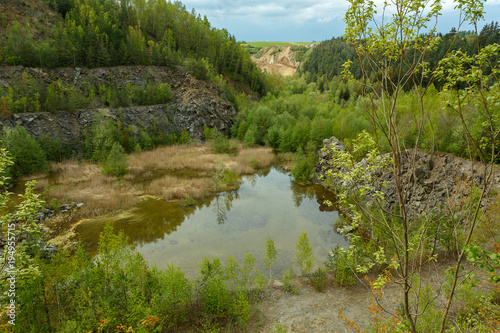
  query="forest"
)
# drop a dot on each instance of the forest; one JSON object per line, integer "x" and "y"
{"x": 385, "y": 94}
{"x": 93, "y": 33}
{"x": 326, "y": 60}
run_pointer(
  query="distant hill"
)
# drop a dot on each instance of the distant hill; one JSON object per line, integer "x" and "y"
{"x": 281, "y": 57}
{"x": 282, "y": 60}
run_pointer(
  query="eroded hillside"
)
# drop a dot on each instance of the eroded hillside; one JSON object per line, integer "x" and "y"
{"x": 278, "y": 59}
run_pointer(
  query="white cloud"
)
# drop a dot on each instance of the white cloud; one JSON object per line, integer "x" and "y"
{"x": 294, "y": 19}
{"x": 293, "y": 11}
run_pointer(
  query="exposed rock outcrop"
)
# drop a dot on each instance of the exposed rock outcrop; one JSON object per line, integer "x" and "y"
{"x": 195, "y": 103}
{"x": 429, "y": 180}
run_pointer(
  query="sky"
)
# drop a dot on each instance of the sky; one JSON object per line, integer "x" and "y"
{"x": 300, "y": 20}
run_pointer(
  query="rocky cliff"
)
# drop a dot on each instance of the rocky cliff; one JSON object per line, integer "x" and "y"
{"x": 194, "y": 104}
{"x": 429, "y": 180}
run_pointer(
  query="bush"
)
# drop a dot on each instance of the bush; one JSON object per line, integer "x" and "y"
{"x": 219, "y": 142}
{"x": 117, "y": 162}
{"x": 304, "y": 254}
{"x": 200, "y": 68}
{"x": 104, "y": 135}
{"x": 26, "y": 152}
{"x": 53, "y": 148}
{"x": 288, "y": 275}
{"x": 185, "y": 138}
{"x": 172, "y": 297}
{"x": 341, "y": 264}
{"x": 303, "y": 169}
{"x": 318, "y": 280}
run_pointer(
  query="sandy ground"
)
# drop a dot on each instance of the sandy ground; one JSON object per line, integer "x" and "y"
{"x": 282, "y": 62}
{"x": 313, "y": 311}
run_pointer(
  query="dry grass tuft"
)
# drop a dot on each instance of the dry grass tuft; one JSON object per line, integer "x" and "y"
{"x": 169, "y": 188}
{"x": 256, "y": 158}
{"x": 101, "y": 194}
{"x": 171, "y": 158}
{"x": 199, "y": 158}
{"x": 72, "y": 171}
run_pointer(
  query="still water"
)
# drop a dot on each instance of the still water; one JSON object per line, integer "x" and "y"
{"x": 229, "y": 224}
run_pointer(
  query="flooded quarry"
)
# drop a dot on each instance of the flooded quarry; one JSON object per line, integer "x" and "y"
{"x": 227, "y": 224}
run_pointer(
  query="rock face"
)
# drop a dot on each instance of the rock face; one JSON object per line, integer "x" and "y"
{"x": 429, "y": 180}
{"x": 195, "y": 103}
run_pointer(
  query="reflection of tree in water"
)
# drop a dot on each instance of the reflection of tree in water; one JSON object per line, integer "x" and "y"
{"x": 263, "y": 172}
{"x": 223, "y": 204}
{"x": 155, "y": 219}
{"x": 300, "y": 192}
{"x": 252, "y": 180}
{"x": 145, "y": 223}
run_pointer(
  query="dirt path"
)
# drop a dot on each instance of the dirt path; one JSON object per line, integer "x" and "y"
{"x": 313, "y": 311}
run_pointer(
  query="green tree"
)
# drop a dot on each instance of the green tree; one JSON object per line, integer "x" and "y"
{"x": 398, "y": 48}
{"x": 23, "y": 235}
{"x": 28, "y": 157}
{"x": 304, "y": 254}
{"x": 117, "y": 161}
{"x": 270, "y": 258}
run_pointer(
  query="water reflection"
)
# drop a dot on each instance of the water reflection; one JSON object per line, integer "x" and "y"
{"x": 230, "y": 223}
{"x": 222, "y": 204}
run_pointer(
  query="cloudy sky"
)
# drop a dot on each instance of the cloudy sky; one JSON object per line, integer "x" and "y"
{"x": 299, "y": 20}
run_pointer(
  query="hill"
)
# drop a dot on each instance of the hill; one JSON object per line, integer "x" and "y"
{"x": 95, "y": 33}
{"x": 278, "y": 59}
{"x": 281, "y": 57}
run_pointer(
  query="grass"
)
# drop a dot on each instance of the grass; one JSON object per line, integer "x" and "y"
{"x": 171, "y": 172}
{"x": 169, "y": 187}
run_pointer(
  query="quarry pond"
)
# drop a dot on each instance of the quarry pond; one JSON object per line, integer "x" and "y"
{"x": 228, "y": 224}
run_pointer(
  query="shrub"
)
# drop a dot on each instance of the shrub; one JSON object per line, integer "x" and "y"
{"x": 270, "y": 258}
{"x": 341, "y": 264}
{"x": 117, "y": 162}
{"x": 219, "y": 142}
{"x": 26, "y": 152}
{"x": 303, "y": 169}
{"x": 288, "y": 275}
{"x": 184, "y": 138}
{"x": 172, "y": 297}
{"x": 215, "y": 296}
{"x": 245, "y": 277}
{"x": 104, "y": 132}
{"x": 200, "y": 68}
{"x": 53, "y": 148}
{"x": 318, "y": 279}
{"x": 304, "y": 254}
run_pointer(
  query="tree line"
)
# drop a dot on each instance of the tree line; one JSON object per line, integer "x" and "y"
{"x": 327, "y": 59}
